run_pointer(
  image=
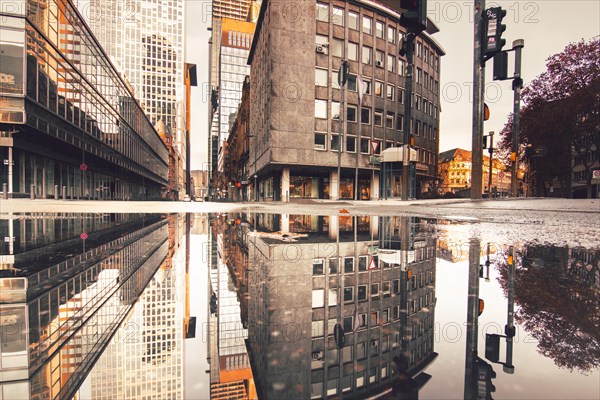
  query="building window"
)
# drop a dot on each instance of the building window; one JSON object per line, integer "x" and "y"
{"x": 321, "y": 109}
{"x": 348, "y": 323}
{"x": 367, "y": 83}
{"x": 367, "y": 25}
{"x": 373, "y": 374}
{"x": 399, "y": 122}
{"x": 401, "y": 95}
{"x": 349, "y": 264}
{"x": 379, "y": 58}
{"x": 389, "y": 120}
{"x": 375, "y": 290}
{"x": 419, "y": 75}
{"x": 391, "y": 63}
{"x": 351, "y": 144}
{"x": 367, "y": 55}
{"x": 335, "y": 110}
{"x": 332, "y": 298}
{"x": 333, "y": 265}
{"x": 316, "y": 390}
{"x": 337, "y": 48}
{"x": 391, "y": 33}
{"x": 386, "y": 289}
{"x": 318, "y": 298}
{"x": 337, "y": 16}
{"x": 400, "y": 67}
{"x": 360, "y": 379}
{"x": 362, "y": 292}
{"x": 318, "y": 328}
{"x": 322, "y": 40}
{"x": 390, "y": 92}
{"x": 352, "y": 20}
{"x": 417, "y": 103}
{"x": 378, "y": 118}
{"x": 365, "y": 115}
{"x": 318, "y": 267}
{"x": 322, "y": 12}
{"x": 352, "y": 83}
{"x": 364, "y": 149}
{"x": 351, "y": 113}
{"x": 320, "y": 141}
{"x": 378, "y": 89}
{"x": 332, "y": 386}
{"x": 335, "y": 142}
{"x": 348, "y": 294}
{"x": 320, "y": 77}
{"x": 379, "y": 29}
{"x": 353, "y": 51}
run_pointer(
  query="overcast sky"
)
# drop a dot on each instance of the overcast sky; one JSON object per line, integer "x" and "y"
{"x": 547, "y": 26}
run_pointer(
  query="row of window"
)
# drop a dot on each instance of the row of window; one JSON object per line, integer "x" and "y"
{"x": 339, "y": 17}
{"x": 358, "y": 378}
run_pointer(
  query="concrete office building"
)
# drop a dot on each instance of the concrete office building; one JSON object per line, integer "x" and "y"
{"x": 295, "y": 99}
{"x": 59, "y": 310}
{"x": 69, "y": 126}
{"x": 338, "y": 270}
{"x": 145, "y": 40}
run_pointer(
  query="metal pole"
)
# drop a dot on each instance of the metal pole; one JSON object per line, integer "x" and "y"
{"x": 407, "y": 126}
{"x": 478, "y": 88}
{"x": 472, "y": 316}
{"x": 517, "y": 84}
{"x": 509, "y": 329}
{"x": 491, "y": 151}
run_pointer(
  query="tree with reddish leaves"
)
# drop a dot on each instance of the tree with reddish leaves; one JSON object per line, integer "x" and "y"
{"x": 561, "y": 117}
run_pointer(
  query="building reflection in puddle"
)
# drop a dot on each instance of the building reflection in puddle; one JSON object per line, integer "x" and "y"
{"x": 67, "y": 281}
{"x": 334, "y": 305}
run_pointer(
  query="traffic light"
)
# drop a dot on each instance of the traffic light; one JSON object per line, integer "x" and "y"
{"x": 414, "y": 15}
{"x": 485, "y": 374}
{"x": 485, "y": 141}
{"x": 493, "y": 28}
{"x": 501, "y": 66}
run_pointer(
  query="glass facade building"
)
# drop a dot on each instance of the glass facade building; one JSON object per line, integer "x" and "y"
{"x": 68, "y": 281}
{"x": 145, "y": 41}
{"x": 69, "y": 126}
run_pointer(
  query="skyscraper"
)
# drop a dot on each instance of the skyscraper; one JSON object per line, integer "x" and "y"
{"x": 145, "y": 41}
{"x": 232, "y": 30}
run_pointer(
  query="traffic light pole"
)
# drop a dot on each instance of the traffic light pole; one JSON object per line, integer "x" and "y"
{"x": 478, "y": 89}
{"x": 406, "y": 181}
{"x": 517, "y": 84}
{"x": 491, "y": 151}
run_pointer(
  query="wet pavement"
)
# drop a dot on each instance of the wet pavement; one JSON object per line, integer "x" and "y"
{"x": 456, "y": 300}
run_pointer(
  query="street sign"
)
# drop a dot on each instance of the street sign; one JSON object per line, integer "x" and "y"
{"x": 374, "y": 146}
{"x": 501, "y": 175}
{"x": 83, "y": 167}
{"x": 596, "y": 174}
{"x": 83, "y": 236}
{"x": 372, "y": 265}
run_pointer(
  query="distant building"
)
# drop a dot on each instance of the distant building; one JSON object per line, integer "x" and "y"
{"x": 232, "y": 28}
{"x": 238, "y": 143}
{"x": 454, "y": 172}
{"x": 200, "y": 180}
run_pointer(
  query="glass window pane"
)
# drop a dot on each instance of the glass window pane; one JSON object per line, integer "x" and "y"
{"x": 321, "y": 109}
{"x": 337, "y": 16}
{"x": 352, "y": 20}
{"x": 318, "y": 298}
{"x": 367, "y": 25}
{"x": 322, "y": 12}
{"x": 320, "y": 77}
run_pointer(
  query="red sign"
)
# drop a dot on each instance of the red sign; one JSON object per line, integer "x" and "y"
{"x": 83, "y": 236}
{"x": 374, "y": 146}
{"x": 372, "y": 265}
{"x": 500, "y": 174}
{"x": 83, "y": 167}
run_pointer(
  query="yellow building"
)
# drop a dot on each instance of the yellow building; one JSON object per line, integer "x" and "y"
{"x": 454, "y": 172}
